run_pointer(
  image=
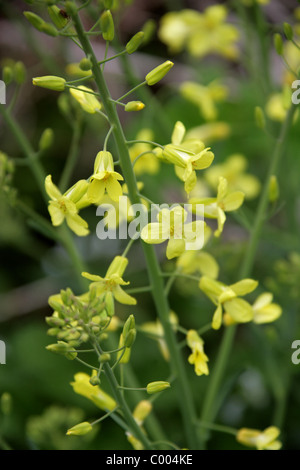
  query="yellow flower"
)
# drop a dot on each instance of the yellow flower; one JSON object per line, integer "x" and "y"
{"x": 262, "y": 440}
{"x": 171, "y": 226}
{"x": 251, "y": 2}
{"x": 210, "y": 132}
{"x": 187, "y": 156}
{"x": 201, "y": 33}
{"x": 279, "y": 104}
{"x": 147, "y": 163}
{"x": 228, "y": 298}
{"x": 112, "y": 281}
{"x": 104, "y": 179}
{"x": 264, "y": 310}
{"x": 64, "y": 206}
{"x": 234, "y": 170}
{"x": 198, "y": 262}
{"x": 198, "y": 357}
{"x": 204, "y": 97}
{"x": 82, "y": 386}
{"x": 225, "y": 201}
{"x": 84, "y": 96}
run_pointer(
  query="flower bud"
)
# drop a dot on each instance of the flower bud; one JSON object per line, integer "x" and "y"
{"x": 135, "y": 42}
{"x": 57, "y": 18}
{"x": 7, "y": 75}
{"x": 142, "y": 410}
{"x": 128, "y": 325}
{"x": 110, "y": 304}
{"x": 278, "y": 43}
{"x": 49, "y": 29}
{"x": 19, "y": 73}
{"x": 134, "y": 106}
{"x": 124, "y": 355}
{"x": 260, "y": 117}
{"x": 117, "y": 266}
{"x": 158, "y": 73}
{"x": 288, "y": 31}
{"x": 156, "y": 387}
{"x": 95, "y": 381}
{"x": 80, "y": 429}
{"x": 53, "y": 331}
{"x": 36, "y": 21}
{"x": 149, "y": 30}
{"x": 63, "y": 349}
{"x": 107, "y": 26}
{"x": 273, "y": 189}
{"x": 86, "y": 99}
{"x": 50, "y": 82}
{"x": 6, "y": 403}
{"x": 85, "y": 64}
{"x": 55, "y": 322}
{"x": 71, "y": 8}
{"x": 105, "y": 357}
{"x": 130, "y": 338}
{"x": 46, "y": 139}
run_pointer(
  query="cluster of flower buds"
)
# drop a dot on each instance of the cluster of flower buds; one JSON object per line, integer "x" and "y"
{"x": 76, "y": 320}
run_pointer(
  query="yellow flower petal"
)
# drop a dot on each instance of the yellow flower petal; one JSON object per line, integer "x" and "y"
{"x": 240, "y": 310}
{"x": 175, "y": 248}
{"x": 52, "y": 190}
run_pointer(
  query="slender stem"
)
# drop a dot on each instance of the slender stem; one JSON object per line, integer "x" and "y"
{"x": 72, "y": 156}
{"x": 209, "y": 406}
{"x": 103, "y": 417}
{"x": 134, "y": 427}
{"x": 163, "y": 309}
{"x": 217, "y": 427}
{"x": 132, "y": 91}
{"x": 26, "y": 148}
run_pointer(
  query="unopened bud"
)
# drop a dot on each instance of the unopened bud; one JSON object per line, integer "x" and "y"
{"x": 105, "y": 357}
{"x": 128, "y": 325}
{"x": 158, "y": 73}
{"x": 288, "y": 31}
{"x": 36, "y": 21}
{"x": 6, "y": 403}
{"x": 134, "y": 106}
{"x": 58, "y": 19}
{"x": 20, "y": 73}
{"x": 80, "y": 429}
{"x": 278, "y": 43}
{"x": 7, "y": 75}
{"x": 95, "y": 381}
{"x": 260, "y": 117}
{"x": 156, "y": 387}
{"x": 50, "y": 82}
{"x": 109, "y": 304}
{"x": 135, "y": 42}
{"x": 63, "y": 349}
{"x": 149, "y": 30}
{"x": 107, "y": 26}
{"x": 46, "y": 139}
{"x": 85, "y": 64}
{"x": 130, "y": 338}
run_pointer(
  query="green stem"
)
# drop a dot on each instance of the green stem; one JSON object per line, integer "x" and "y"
{"x": 134, "y": 427}
{"x": 209, "y": 410}
{"x": 27, "y": 150}
{"x": 162, "y": 306}
{"x": 72, "y": 156}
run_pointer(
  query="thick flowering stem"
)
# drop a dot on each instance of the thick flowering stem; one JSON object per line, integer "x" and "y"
{"x": 163, "y": 309}
{"x": 209, "y": 405}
